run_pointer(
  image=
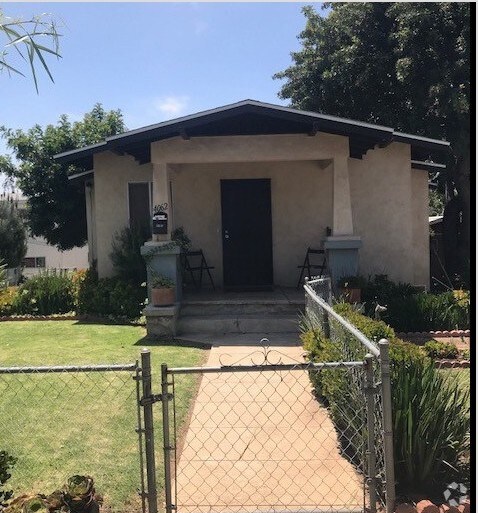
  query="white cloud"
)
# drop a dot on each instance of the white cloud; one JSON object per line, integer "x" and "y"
{"x": 171, "y": 105}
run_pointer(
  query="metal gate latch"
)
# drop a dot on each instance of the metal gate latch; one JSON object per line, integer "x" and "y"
{"x": 155, "y": 398}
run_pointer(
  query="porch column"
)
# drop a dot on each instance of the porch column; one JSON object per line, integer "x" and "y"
{"x": 162, "y": 257}
{"x": 161, "y": 195}
{"x": 342, "y": 246}
{"x": 342, "y": 220}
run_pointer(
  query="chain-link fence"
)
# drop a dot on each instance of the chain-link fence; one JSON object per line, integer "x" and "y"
{"x": 62, "y": 421}
{"x": 344, "y": 342}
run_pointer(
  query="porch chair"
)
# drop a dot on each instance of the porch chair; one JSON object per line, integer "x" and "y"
{"x": 194, "y": 261}
{"x": 318, "y": 261}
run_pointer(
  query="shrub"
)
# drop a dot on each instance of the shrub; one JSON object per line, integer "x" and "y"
{"x": 109, "y": 297}
{"x": 371, "y": 328}
{"x": 3, "y": 274}
{"x": 430, "y": 425}
{"x": 126, "y": 255}
{"x": 352, "y": 282}
{"x": 45, "y": 294}
{"x": 6, "y": 464}
{"x": 430, "y": 412}
{"x": 179, "y": 236}
{"x": 437, "y": 350}
{"x": 7, "y": 298}
{"x": 409, "y": 310}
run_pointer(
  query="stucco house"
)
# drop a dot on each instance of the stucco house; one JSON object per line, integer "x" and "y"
{"x": 255, "y": 184}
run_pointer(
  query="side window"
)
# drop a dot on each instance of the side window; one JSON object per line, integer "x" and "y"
{"x": 33, "y": 262}
{"x": 28, "y": 262}
{"x": 139, "y": 201}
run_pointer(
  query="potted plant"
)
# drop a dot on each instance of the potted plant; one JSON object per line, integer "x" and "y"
{"x": 351, "y": 288}
{"x": 162, "y": 290}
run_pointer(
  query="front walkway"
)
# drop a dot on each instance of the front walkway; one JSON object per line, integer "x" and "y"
{"x": 260, "y": 441}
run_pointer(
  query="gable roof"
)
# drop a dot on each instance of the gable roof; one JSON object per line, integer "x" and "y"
{"x": 251, "y": 117}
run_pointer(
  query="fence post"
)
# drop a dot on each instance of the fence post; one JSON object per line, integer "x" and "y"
{"x": 152, "y": 493}
{"x": 370, "y": 401}
{"x": 140, "y": 431}
{"x": 387, "y": 425}
{"x": 329, "y": 290}
{"x": 166, "y": 438}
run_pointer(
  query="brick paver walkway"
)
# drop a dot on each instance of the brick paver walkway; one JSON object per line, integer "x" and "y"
{"x": 261, "y": 442}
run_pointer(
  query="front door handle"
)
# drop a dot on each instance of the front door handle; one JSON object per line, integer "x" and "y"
{"x": 226, "y": 234}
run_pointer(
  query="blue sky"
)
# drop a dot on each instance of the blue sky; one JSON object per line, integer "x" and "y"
{"x": 154, "y": 61}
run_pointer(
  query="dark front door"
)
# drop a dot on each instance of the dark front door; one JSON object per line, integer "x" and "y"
{"x": 246, "y": 234}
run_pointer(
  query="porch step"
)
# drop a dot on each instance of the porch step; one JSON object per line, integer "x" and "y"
{"x": 238, "y": 308}
{"x": 239, "y": 323}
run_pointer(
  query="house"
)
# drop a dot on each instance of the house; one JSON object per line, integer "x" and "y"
{"x": 41, "y": 256}
{"x": 254, "y": 185}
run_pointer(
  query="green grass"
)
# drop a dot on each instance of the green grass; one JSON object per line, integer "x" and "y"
{"x": 63, "y": 424}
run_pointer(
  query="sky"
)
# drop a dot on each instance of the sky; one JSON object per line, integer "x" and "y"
{"x": 154, "y": 61}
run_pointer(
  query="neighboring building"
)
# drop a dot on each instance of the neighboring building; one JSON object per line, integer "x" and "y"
{"x": 42, "y": 256}
{"x": 255, "y": 184}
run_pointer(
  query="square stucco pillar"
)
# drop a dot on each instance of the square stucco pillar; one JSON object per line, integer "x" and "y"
{"x": 343, "y": 246}
{"x": 162, "y": 258}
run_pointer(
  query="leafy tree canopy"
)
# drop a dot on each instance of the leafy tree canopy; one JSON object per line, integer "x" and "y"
{"x": 56, "y": 208}
{"x": 405, "y": 65}
{"x": 13, "y": 237}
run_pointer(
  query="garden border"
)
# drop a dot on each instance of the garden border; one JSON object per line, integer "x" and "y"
{"x": 434, "y": 334}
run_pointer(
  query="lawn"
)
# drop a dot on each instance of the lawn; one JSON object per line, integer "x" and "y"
{"x": 63, "y": 424}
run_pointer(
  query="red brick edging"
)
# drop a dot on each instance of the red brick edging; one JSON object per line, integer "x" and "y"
{"x": 426, "y": 506}
{"x": 455, "y": 364}
{"x": 435, "y": 334}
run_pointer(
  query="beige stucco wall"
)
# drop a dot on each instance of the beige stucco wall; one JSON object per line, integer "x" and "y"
{"x": 388, "y": 198}
{"x": 301, "y": 197}
{"x": 389, "y": 206}
{"x": 112, "y": 174}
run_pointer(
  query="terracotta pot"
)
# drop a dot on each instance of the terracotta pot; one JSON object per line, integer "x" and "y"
{"x": 352, "y": 295}
{"x": 163, "y": 296}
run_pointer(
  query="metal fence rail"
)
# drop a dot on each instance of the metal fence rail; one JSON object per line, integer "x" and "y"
{"x": 350, "y": 344}
{"x": 63, "y": 420}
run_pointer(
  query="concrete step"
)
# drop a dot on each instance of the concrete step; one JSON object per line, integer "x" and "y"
{"x": 232, "y": 308}
{"x": 244, "y": 323}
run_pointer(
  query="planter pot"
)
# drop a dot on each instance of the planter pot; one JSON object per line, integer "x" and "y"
{"x": 163, "y": 297}
{"x": 352, "y": 295}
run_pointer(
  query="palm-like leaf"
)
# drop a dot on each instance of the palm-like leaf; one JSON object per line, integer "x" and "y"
{"x": 23, "y": 36}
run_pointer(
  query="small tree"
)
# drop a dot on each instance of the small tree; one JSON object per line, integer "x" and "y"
{"x": 56, "y": 208}
{"x": 13, "y": 236}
